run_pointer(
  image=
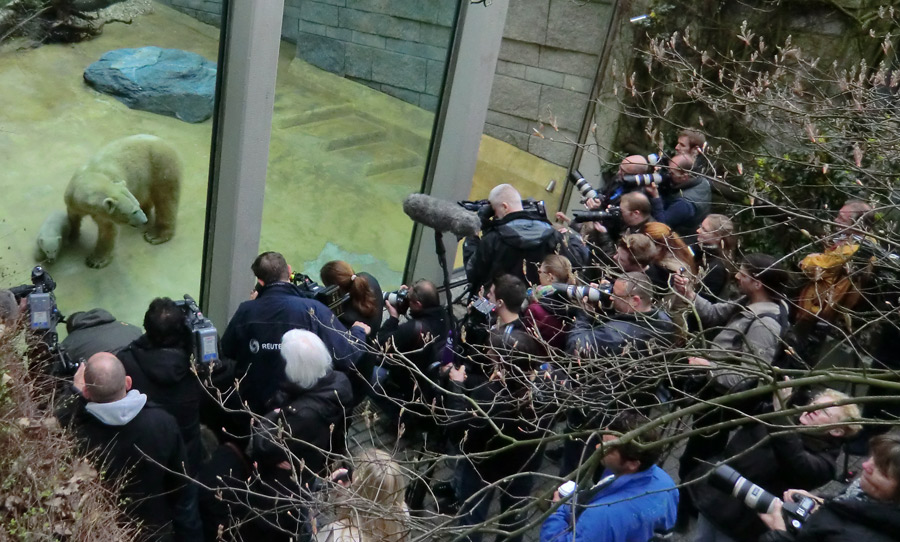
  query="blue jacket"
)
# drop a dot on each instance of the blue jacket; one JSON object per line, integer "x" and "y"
{"x": 632, "y": 509}
{"x": 253, "y": 338}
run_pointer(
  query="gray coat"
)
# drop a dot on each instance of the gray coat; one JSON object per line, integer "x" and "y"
{"x": 751, "y": 333}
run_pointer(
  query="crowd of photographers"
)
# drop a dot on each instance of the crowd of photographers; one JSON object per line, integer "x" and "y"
{"x": 575, "y": 336}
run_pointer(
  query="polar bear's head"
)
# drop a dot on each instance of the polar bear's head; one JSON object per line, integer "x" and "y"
{"x": 49, "y": 247}
{"x": 121, "y": 206}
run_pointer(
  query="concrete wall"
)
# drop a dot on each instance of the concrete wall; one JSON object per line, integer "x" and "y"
{"x": 208, "y": 11}
{"x": 396, "y": 46}
{"x": 548, "y": 60}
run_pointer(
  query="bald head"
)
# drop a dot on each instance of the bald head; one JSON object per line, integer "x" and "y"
{"x": 680, "y": 168}
{"x": 505, "y": 199}
{"x": 104, "y": 378}
{"x": 634, "y": 165}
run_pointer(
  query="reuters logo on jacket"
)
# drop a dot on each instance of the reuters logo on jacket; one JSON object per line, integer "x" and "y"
{"x": 256, "y": 346}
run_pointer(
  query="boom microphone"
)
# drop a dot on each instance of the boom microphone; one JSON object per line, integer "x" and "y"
{"x": 441, "y": 215}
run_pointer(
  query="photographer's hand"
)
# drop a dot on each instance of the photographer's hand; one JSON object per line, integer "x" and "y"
{"x": 458, "y": 374}
{"x": 593, "y": 204}
{"x": 775, "y": 519}
{"x": 392, "y": 310}
{"x": 599, "y": 227}
{"x": 652, "y": 191}
{"x": 682, "y": 285}
{"x": 562, "y": 218}
{"x": 363, "y": 326}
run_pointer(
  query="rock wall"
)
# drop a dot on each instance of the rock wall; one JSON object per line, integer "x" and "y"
{"x": 548, "y": 61}
{"x": 396, "y": 46}
{"x": 207, "y": 11}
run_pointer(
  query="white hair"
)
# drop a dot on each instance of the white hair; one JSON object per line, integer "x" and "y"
{"x": 306, "y": 358}
{"x": 505, "y": 193}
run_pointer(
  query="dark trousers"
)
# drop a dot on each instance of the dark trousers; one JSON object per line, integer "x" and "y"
{"x": 514, "y": 494}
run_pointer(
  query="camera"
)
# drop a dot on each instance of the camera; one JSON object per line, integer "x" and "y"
{"x": 602, "y": 295}
{"x": 43, "y": 317}
{"x": 587, "y": 191}
{"x": 536, "y": 208}
{"x": 727, "y": 479}
{"x": 483, "y": 306}
{"x": 609, "y": 215}
{"x": 662, "y": 179}
{"x": 397, "y": 299}
{"x": 330, "y": 296}
{"x": 204, "y": 338}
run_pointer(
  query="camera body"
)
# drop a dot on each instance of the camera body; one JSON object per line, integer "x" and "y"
{"x": 330, "y": 296}
{"x": 204, "y": 338}
{"x": 399, "y": 299}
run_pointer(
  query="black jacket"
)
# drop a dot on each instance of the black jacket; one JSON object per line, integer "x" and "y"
{"x": 95, "y": 331}
{"x": 253, "y": 338}
{"x": 792, "y": 460}
{"x": 307, "y": 416}
{"x": 351, "y": 315}
{"x": 408, "y": 339}
{"x": 146, "y": 452}
{"x": 513, "y": 412}
{"x": 515, "y": 241}
{"x": 610, "y": 337}
{"x": 698, "y": 193}
{"x": 165, "y": 375}
{"x": 846, "y": 520}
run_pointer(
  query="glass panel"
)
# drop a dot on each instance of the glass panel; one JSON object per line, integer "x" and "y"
{"x": 54, "y": 121}
{"x": 358, "y": 86}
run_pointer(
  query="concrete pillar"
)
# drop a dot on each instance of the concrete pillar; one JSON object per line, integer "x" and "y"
{"x": 243, "y": 125}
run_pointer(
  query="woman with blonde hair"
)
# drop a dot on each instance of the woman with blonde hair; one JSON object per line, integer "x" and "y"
{"x": 365, "y": 303}
{"x": 373, "y": 507}
{"x": 546, "y": 310}
{"x": 716, "y": 244}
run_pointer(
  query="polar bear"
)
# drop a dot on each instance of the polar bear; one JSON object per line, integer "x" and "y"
{"x": 53, "y": 232}
{"x": 124, "y": 183}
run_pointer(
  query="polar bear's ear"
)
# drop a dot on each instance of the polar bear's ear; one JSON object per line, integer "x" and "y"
{"x": 109, "y": 205}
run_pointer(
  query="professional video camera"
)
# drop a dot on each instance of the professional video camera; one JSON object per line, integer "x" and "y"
{"x": 611, "y": 215}
{"x": 205, "y": 339}
{"x": 725, "y": 478}
{"x": 43, "y": 317}
{"x": 330, "y": 296}
{"x": 485, "y": 211}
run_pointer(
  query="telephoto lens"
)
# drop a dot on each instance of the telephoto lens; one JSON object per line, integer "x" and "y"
{"x": 587, "y": 191}
{"x": 645, "y": 179}
{"x": 726, "y": 479}
{"x": 575, "y": 293}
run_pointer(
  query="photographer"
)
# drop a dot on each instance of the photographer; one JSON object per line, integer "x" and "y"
{"x": 159, "y": 364}
{"x": 420, "y": 340}
{"x": 798, "y": 451}
{"x": 365, "y": 302}
{"x": 9, "y": 311}
{"x": 684, "y": 204}
{"x": 95, "y": 331}
{"x": 253, "y": 335}
{"x": 640, "y": 501}
{"x": 634, "y": 214}
{"x": 500, "y": 379}
{"x": 634, "y": 322}
{"x": 515, "y": 242}
{"x": 868, "y": 510}
{"x": 635, "y": 328}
